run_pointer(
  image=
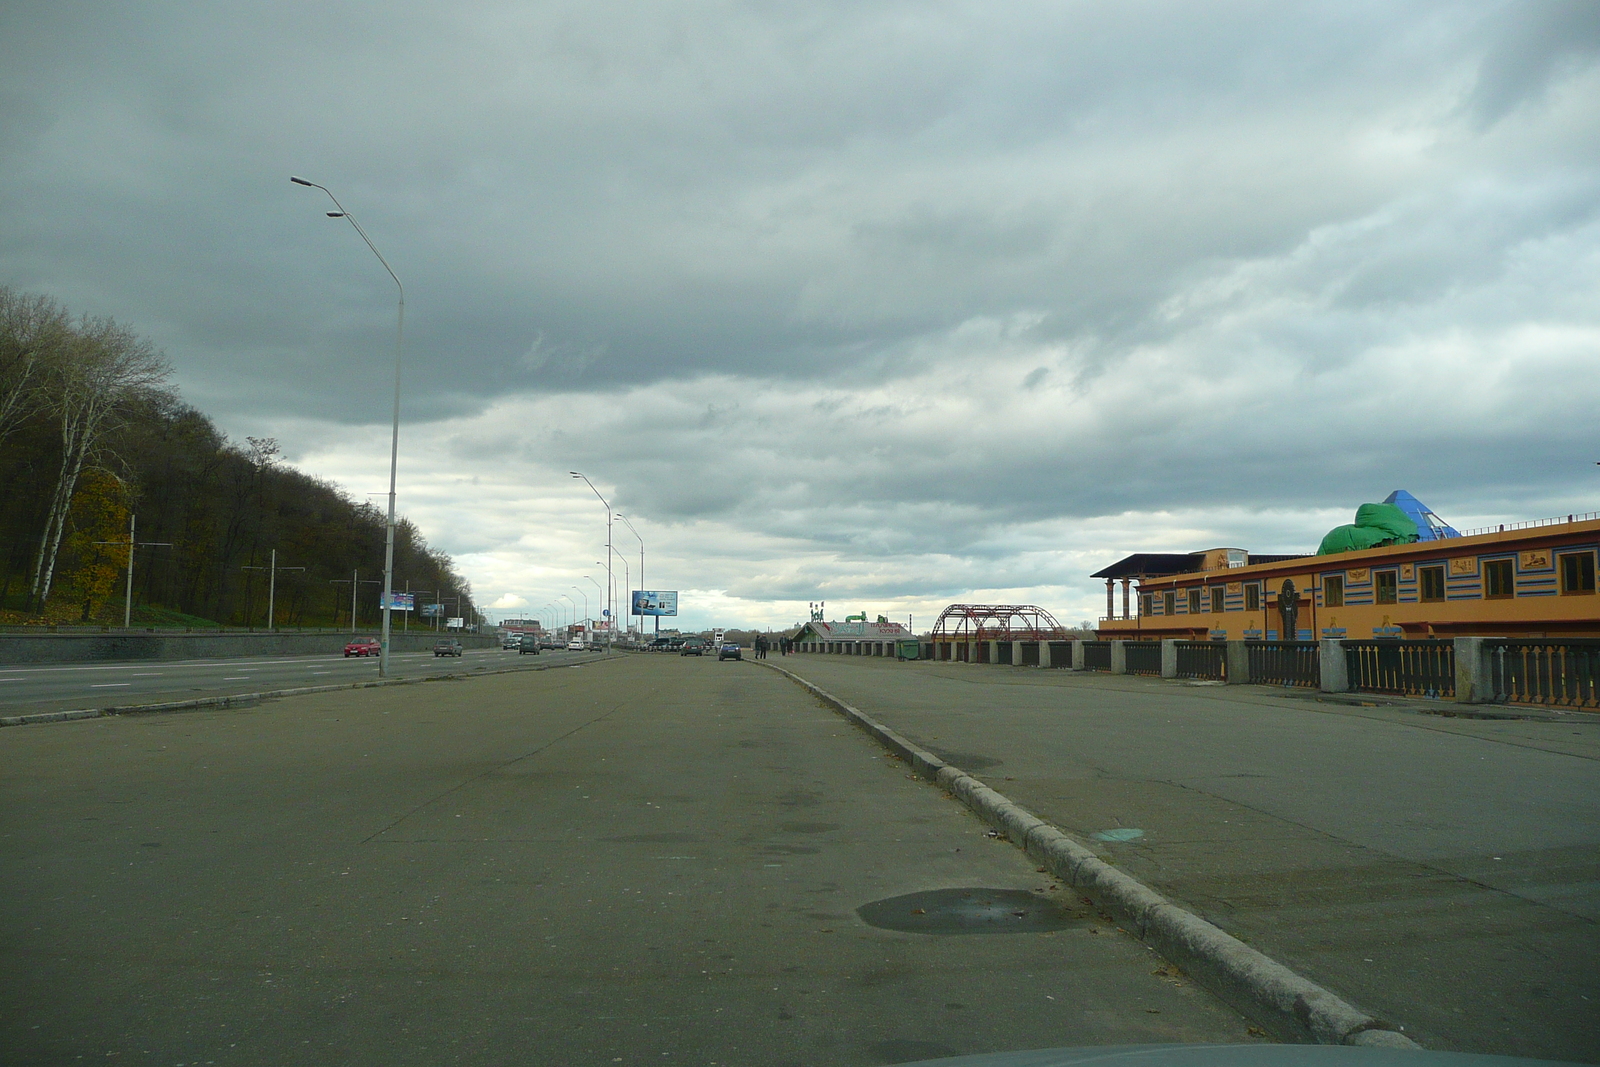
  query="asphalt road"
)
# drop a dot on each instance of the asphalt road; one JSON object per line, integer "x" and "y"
{"x": 641, "y": 860}
{"x": 1440, "y": 873}
{"x": 63, "y": 687}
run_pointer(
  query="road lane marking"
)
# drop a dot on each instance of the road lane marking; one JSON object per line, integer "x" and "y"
{"x": 109, "y": 685}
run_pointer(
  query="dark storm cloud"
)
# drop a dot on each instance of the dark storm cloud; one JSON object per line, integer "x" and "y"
{"x": 959, "y": 282}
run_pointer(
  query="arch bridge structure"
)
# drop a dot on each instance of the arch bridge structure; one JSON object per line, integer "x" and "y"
{"x": 997, "y": 622}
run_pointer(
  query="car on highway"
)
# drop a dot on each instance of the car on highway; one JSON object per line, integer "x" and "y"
{"x": 513, "y": 640}
{"x": 447, "y": 646}
{"x": 362, "y": 646}
{"x": 575, "y": 645}
{"x": 529, "y": 643}
{"x": 694, "y": 646}
{"x": 729, "y": 651}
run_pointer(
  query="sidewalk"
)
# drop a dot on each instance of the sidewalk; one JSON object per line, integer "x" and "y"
{"x": 1440, "y": 873}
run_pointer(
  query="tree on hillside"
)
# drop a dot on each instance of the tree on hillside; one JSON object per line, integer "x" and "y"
{"x": 103, "y": 371}
{"x": 33, "y": 331}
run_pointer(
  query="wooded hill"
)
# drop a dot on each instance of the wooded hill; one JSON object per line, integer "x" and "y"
{"x": 91, "y": 434}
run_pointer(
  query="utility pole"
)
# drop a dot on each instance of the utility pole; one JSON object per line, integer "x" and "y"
{"x": 356, "y": 583}
{"x": 272, "y": 588}
{"x": 132, "y": 543}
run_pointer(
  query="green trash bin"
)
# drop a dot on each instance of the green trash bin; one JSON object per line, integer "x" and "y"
{"x": 907, "y": 649}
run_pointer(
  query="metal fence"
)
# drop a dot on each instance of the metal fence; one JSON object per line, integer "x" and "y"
{"x": 1141, "y": 657}
{"x": 1060, "y": 653}
{"x": 1097, "y": 655}
{"x": 1285, "y": 663}
{"x": 1203, "y": 659}
{"x": 1030, "y": 653}
{"x": 1533, "y": 671}
{"x": 1411, "y": 668}
{"x": 1006, "y": 651}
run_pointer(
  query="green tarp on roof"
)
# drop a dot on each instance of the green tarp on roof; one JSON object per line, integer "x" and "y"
{"x": 1375, "y": 525}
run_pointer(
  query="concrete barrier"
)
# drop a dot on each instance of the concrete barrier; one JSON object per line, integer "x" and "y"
{"x": 93, "y": 647}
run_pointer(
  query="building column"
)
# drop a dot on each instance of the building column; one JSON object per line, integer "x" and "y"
{"x": 1111, "y": 598}
{"x": 1125, "y": 583}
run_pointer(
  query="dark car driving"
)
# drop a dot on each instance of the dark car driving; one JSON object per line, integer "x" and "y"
{"x": 694, "y": 646}
{"x": 447, "y": 646}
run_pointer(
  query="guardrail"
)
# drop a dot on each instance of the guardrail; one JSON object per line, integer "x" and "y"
{"x": 1141, "y": 657}
{"x": 1407, "y": 668}
{"x": 1565, "y": 673}
{"x": 1295, "y": 663}
{"x": 1207, "y": 660}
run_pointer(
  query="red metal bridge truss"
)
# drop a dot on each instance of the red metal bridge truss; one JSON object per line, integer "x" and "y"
{"x": 997, "y": 622}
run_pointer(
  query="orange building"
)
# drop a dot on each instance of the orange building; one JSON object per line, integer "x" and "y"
{"x": 1534, "y": 580}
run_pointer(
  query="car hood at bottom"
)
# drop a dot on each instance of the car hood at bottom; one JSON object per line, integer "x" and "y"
{"x": 1262, "y": 1055}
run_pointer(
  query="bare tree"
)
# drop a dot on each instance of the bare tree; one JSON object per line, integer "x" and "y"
{"x": 33, "y": 331}
{"x": 103, "y": 370}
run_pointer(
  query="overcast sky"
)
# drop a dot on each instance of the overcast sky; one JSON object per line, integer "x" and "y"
{"x": 886, "y": 304}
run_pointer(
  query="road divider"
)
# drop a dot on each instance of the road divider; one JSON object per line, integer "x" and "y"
{"x": 1261, "y": 987}
{"x": 241, "y": 699}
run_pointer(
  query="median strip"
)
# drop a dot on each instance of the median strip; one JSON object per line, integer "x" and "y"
{"x": 235, "y": 699}
{"x": 1252, "y": 981}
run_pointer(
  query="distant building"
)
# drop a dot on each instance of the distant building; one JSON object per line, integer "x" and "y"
{"x": 852, "y": 638}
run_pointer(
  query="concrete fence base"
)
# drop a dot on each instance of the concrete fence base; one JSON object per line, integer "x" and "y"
{"x": 90, "y": 648}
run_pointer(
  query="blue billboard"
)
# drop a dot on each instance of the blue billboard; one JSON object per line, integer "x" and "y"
{"x": 655, "y": 602}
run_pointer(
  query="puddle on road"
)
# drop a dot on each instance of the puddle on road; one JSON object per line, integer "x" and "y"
{"x": 969, "y": 911}
{"x": 1121, "y": 833}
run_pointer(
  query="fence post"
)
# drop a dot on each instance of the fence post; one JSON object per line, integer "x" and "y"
{"x": 1169, "y": 657}
{"x": 1238, "y": 663}
{"x": 1334, "y": 667}
{"x": 1119, "y": 657}
{"x": 1474, "y": 682}
{"x": 1077, "y": 655}
{"x": 1044, "y": 652}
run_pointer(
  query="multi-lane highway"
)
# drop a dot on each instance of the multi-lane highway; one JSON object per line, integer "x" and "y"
{"x": 69, "y": 686}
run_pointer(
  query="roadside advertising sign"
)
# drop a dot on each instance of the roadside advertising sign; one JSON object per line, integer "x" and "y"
{"x": 433, "y": 611}
{"x": 655, "y": 602}
{"x": 455, "y": 624}
{"x": 401, "y": 601}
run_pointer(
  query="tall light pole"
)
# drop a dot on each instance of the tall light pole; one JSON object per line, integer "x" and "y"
{"x": 574, "y": 605}
{"x": 635, "y": 533}
{"x": 611, "y": 612}
{"x": 585, "y": 596}
{"x": 394, "y": 437}
{"x": 598, "y": 590}
{"x": 627, "y": 580}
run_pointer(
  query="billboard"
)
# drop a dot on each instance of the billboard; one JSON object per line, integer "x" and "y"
{"x": 400, "y": 601}
{"x": 655, "y": 602}
{"x": 433, "y": 611}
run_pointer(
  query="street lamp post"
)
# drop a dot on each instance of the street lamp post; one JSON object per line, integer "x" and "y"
{"x": 612, "y": 613}
{"x": 611, "y": 620}
{"x": 585, "y": 596}
{"x": 635, "y": 533}
{"x": 574, "y": 606}
{"x": 394, "y": 437}
{"x": 627, "y": 580}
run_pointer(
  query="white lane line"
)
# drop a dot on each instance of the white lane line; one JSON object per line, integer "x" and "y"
{"x": 238, "y": 678}
{"x": 150, "y": 674}
{"x": 321, "y": 672}
{"x": 109, "y": 685}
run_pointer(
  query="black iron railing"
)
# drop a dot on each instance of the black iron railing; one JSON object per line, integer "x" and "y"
{"x": 1141, "y": 657}
{"x": 1061, "y": 653}
{"x": 1533, "y": 671}
{"x": 1203, "y": 659}
{"x": 1030, "y": 653}
{"x": 1285, "y": 663}
{"x": 1411, "y": 668}
{"x": 1097, "y": 655}
{"x": 1006, "y": 651}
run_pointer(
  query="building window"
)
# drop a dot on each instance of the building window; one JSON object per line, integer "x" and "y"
{"x": 1194, "y": 601}
{"x": 1169, "y": 603}
{"x": 1217, "y": 594}
{"x": 1432, "y": 581}
{"x": 1333, "y": 591}
{"x": 1252, "y": 596}
{"x": 1577, "y": 572}
{"x": 1147, "y": 604}
{"x": 1386, "y": 587}
{"x": 1497, "y": 579}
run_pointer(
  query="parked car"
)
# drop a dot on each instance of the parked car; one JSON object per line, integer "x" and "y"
{"x": 729, "y": 651}
{"x": 447, "y": 646}
{"x": 575, "y": 645}
{"x": 660, "y": 644}
{"x": 529, "y": 643}
{"x": 694, "y": 646}
{"x": 363, "y": 646}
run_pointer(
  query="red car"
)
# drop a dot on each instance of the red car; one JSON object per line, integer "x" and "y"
{"x": 363, "y": 646}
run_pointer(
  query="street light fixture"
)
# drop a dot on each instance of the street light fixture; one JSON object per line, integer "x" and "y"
{"x": 611, "y": 613}
{"x": 635, "y": 533}
{"x": 585, "y": 596}
{"x": 394, "y": 437}
{"x": 574, "y": 605}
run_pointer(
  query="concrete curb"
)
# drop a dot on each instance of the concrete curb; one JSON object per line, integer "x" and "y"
{"x": 1259, "y": 986}
{"x": 233, "y": 699}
